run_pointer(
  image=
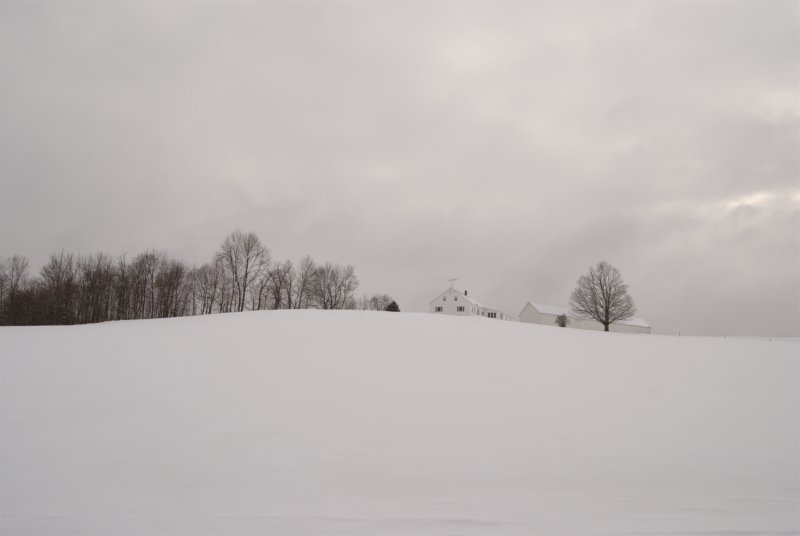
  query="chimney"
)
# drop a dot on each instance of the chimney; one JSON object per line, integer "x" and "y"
{"x": 465, "y": 293}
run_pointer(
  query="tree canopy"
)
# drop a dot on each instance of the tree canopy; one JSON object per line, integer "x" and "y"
{"x": 602, "y": 295}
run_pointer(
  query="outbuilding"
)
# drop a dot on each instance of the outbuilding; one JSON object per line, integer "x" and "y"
{"x": 539, "y": 313}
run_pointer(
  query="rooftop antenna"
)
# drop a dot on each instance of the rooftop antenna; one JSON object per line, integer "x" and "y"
{"x": 453, "y": 282}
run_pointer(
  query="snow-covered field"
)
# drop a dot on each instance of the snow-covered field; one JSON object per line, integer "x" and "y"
{"x": 355, "y": 423}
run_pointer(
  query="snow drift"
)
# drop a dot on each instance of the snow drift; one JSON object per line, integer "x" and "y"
{"x": 349, "y": 423}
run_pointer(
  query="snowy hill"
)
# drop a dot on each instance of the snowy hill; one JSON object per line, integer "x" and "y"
{"x": 350, "y": 423}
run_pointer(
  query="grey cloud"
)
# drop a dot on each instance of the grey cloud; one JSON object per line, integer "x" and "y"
{"x": 508, "y": 144}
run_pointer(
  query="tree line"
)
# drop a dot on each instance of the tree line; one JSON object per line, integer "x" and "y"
{"x": 241, "y": 276}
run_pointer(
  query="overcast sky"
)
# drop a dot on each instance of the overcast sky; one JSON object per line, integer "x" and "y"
{"x": 509, "y": 145}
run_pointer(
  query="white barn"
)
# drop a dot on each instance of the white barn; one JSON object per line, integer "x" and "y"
{"x": 539, "y": 313}
{"x": 456, "y": 302}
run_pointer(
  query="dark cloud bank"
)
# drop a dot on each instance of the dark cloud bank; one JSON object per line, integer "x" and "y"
{"x": 508, "y": 144}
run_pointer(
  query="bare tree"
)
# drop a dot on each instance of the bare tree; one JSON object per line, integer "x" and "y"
{"x": 601, "y": 295}
{"x": 347, "y": 283}
{"x": 302, "y": 282}
{"x": 259, "y": 290}
{"x": 59, "y": 277}
{"x": 13, "y": 278}
{"x": 208, "y": 280}
{"x": 562, "y": 320}
{"x": 375, "y": 302}
{"x": 333, "y": 286}
{"x": 230, "y": 255}
{"x": 172, "y": 291}
{"x": 244, "y": 258}
{"x": 193, "y": 292}
{"x": 122, "y": 290}
{"x": 17, "y": 272}
{"x": 138, "y": 270}
{"x": 289, "y": 280}
{"x": 95, "y": 282}
{"x": 204, "y": 289}
{"x": 255, "y": 259}
{"x": 280, "y": 285}
{"x": 3, "y": 291}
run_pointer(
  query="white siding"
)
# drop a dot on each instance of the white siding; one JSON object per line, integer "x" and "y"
{"x": 451, "y": 299}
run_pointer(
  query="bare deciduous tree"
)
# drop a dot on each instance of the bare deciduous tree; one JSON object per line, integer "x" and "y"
{"x": 143, "y": 273}
{"x": 3, "y": 290}
{"x": 122, "y": 290}
{"x": 208, "y": 279}
{"x": 17, "y": 272}
{"x": 244, "y": 258}
{"x": 289, "y": 279}
{"x": 602, "y": 295}
{"x": 562, "y": 320}
{"x": 302, "y": 282}
{"x": 259, "y": 291}
{"x": 375, "y": 302}
{"x": 255, "y": 259}
{"x": 280, "y": 285}
{"x": 95, "y": 280}
{"x": 333, "y": 286}
{"x": 59, "y": 281}
{"x": 171, "y": 289}
{"x": 13, "y": 277}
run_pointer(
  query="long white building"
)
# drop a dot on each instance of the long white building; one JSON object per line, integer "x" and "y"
{"x": 456, "y": 302}
{"x": 539, "y": 313}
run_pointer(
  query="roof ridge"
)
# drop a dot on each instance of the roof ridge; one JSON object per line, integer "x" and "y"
{"x": 558, "y": 309}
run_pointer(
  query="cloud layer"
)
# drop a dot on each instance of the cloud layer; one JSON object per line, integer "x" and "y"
{"x": 510, "y": 145}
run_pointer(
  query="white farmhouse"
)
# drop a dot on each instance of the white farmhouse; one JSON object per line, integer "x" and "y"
{"x": 539, "y": 313}
{"x": 456, "y": 302}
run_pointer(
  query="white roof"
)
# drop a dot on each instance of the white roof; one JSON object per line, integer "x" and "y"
{"x": 552, "y": 309}
{"x": 559, "y": 310}
{"x": 635, "y": 321}
{"x": 460, "y": 294}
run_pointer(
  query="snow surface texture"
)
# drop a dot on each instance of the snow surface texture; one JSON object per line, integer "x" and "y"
{"x": 354, "y": 423}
